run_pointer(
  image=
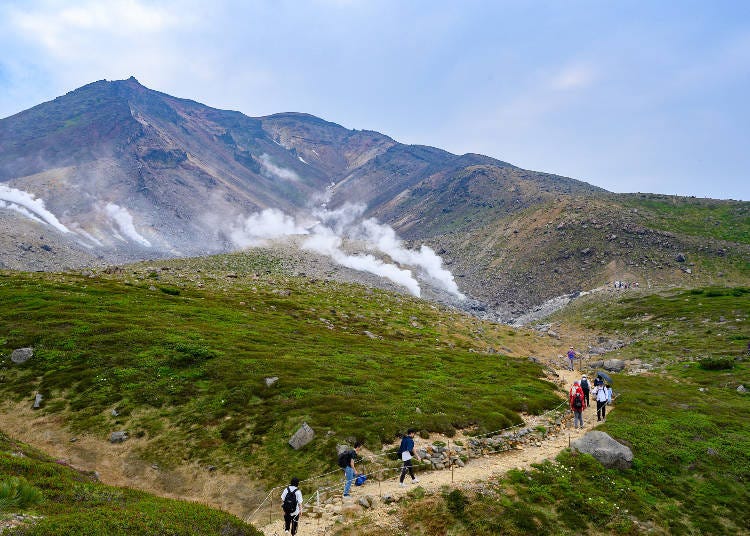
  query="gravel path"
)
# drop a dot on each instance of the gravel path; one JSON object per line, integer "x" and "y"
{"x": 475, "y": 471}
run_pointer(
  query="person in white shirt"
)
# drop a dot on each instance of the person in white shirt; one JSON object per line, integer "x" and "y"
{"x": 291, "y": 503}
{"x": 601, "y": 403}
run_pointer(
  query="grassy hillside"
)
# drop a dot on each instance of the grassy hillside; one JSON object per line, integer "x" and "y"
{"x": 61, "y": 501}
{"x": 182, "y": 353}
{"x": 687, "y": 425}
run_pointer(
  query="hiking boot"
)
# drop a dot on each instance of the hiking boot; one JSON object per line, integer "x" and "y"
{"x": 401, "y": 485}
{"x": 414, "y": 480}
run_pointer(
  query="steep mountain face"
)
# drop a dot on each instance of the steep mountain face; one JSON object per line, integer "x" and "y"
{"x": 114, "y": 171}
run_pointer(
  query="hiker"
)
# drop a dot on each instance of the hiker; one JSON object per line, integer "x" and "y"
{"x": 577, "y": 404}
{"x": 609, "y": 394}
{"x": 346, "y": 462}
{"x": 291, "y": 503}
{"x": 406, "y": 452}
{"x": 586, "y": 389}
{"x": 601, "y": 403}
{"x": 571, "y": 356}
{"x": 598, "y": 381}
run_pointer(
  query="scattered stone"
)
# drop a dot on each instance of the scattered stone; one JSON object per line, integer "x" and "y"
{"x": 741, "y": 389}
{"x": 388, "y": 498}
{"x": 370, "y": 334}
{"x": 115, "y": 413}
{"x": 21, "y": 355}
{"x": 118, "y": 437}
{"x": 211, "y": 468}
{"x": 364, "y": 502}
{"x": 302, "y": 436}
{"x": 609, "y": 452}
{"x": 73, "y": 439}
{"x": 271, "y": 381}
{"x": 38, "y": 401}
{"x": 680, "y": 257}
{"x": 711, "y": 452}
{"x": 614, "y": 365}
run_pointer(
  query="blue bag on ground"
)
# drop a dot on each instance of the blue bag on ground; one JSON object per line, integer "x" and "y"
{"x": 360, "y": 480}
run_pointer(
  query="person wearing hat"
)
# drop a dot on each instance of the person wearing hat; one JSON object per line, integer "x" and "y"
{"x": 571, "y": 356}
{"x": 577, "y": 404}
{"x": 586, "y": 389}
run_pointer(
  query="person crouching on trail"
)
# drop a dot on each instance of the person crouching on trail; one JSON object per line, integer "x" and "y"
{"x": 577, "y": 404}
{"x": 406, "y": 452}
{"x": 291, "y": 503}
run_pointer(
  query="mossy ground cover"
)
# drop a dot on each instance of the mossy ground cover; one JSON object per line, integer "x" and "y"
{"x": 672, "y": 325}
{"x": 723, "y": 220}
{"x": 185, "y": 369}
{"x": 74, "y": 504}
{"x": 687, "y": 425}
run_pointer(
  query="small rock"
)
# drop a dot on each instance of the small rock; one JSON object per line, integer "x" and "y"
{"x": 38, "y": 401}
{"x": 680, "y": 257}
{"x": 741, "y": 389}
{"x": 388, "y": 498}
{"x": 115, "y": 413}
{"x": 272, "y": 380}
{"x": 118, "y": 437}
{"x": 370, "y": 334}
{"x": 21, "y": 355}
{"x": 711, "y": 452}
{"x": 73, "y": 439}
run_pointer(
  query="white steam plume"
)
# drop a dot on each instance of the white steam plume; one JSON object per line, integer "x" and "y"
{"x": 28, "y": 205}
{"x": 384, "y": 238}
{"x": 124, "y": 221}
{"x": 272, "y": 169}
{"x": 327, "y": 235}
{"x": 268, "y": 224}
{"x": 325, "y": 242}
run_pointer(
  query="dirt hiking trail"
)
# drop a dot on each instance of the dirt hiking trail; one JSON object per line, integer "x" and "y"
{"x": 475, "y": 471}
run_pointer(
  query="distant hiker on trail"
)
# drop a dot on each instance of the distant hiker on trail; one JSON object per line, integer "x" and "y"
{"x": 586, "y": 389}
{"x": 406, "y": 452}
{"x": 571, "y": 357}
{"x": 346, "y": 462}
{"x": 291, "y": 503}
{"x": 577, "y": 404}
{"x": 601, "y": 403}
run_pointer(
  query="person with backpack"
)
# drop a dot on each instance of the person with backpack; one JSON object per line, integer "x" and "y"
{"x": 586, "y": 389}
{"x": 601, "y": 403}
{"x": 291, "y": 504}
{"x": 346, "y": 462}
{"x": 577, "y": 404}
{"x": 406, "y": 453}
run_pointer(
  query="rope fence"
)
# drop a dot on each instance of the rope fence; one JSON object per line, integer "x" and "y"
{"x": 383, "y": 471}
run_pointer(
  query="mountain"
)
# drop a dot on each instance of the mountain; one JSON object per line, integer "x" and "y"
{"x": 115, "y": 172}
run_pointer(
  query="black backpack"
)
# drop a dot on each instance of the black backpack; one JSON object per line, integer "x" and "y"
{"x": 290, "y": 501}
{"x": 578, "y": 401}
{"x": 345, "y": 459}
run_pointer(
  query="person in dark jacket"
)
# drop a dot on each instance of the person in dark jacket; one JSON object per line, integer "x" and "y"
{"x": 586, "y": 389}
{"x": 406, "y": 452}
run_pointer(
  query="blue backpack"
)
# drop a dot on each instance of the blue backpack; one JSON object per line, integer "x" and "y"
{"x": 360, "y": 480}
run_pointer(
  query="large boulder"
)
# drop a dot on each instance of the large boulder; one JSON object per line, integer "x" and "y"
{"x": 302, "y": 436}
{"x": 609, "y": 452}
{"x": 21, "y": 355}
{"x": 614, "y": 365}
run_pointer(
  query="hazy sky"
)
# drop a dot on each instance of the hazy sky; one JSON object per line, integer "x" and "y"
{"x": 649, "y": 96}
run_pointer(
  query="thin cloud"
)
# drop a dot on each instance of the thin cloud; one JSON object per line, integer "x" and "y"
{"x": 573, "y": 77}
